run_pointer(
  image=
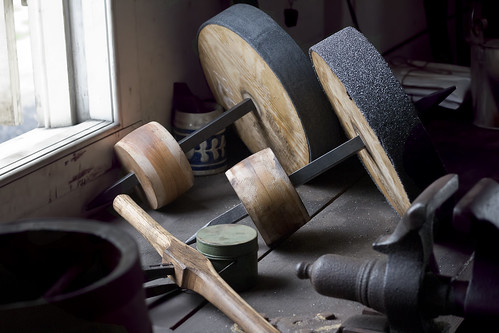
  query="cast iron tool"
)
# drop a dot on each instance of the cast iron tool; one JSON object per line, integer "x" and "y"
{"x": 192, "y": 270}
{"x": 406, "y": 285}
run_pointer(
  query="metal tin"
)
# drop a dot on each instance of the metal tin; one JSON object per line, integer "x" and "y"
{"x": 235, "y": 245}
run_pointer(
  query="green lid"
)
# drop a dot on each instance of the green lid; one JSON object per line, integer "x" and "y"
{"x": 227, "y": 240}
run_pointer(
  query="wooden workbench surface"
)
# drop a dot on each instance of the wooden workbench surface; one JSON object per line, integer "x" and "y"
{"x": 348, "y": 215}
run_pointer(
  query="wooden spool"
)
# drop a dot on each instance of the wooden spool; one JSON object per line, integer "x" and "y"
{"x": 268, "y": 195}
{"x": 245, "y": 54}
{"x": 157, "y": 160}
{"x": 370, "y": 102}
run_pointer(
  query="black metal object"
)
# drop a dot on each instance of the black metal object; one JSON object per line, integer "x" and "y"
{"x": 163, "y": 271}
{"x": 216, "y": 125}
{"x": 65, "y": 275}
{"x": 406, "y": 285}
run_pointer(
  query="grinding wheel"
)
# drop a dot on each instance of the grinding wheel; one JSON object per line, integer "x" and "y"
{"x": 268, "y": 195}
{"x": 246, "y": 54}
{"x": 158, "y": 162}
{"x": 371, "y": 103}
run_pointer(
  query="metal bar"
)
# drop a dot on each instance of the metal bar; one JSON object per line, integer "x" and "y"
{"x": 216, "y": 125}
{"x": 233, "y": 215}
{"x": 299, "y": 177}
{"x": 158, "y": 271}
{"x": 326, "y": 161}
{"x": 123, "y": 185}
{"x": 161, "y": 289}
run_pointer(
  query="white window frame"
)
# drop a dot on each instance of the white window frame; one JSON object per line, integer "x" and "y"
{"x": 56, "y": 171}
{"x": 74, "y": 78}
{"x": 10, "y": 101}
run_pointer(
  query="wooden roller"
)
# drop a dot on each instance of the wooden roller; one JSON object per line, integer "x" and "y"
{"x": 371, "y": 103}
{"x": 158, "y": 162}
{"x": 246, "y": 54}
{"x": 268, "y": 195}
{"x": 193, "y": 271}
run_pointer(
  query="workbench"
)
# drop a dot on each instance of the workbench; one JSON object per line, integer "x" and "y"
{"x": 348, "y": 215}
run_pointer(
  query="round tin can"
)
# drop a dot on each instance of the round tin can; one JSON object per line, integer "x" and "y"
{"x": 232, "y": 249}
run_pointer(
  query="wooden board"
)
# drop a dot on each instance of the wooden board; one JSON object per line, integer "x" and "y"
{"x": 246, "y": 54}
{"x": 370, "y": 102}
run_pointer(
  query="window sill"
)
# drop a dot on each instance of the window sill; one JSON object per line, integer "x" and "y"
{"x": 38, "y": 146}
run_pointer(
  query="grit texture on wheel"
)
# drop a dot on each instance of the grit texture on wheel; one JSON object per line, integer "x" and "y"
{"x": 370, "y": 102}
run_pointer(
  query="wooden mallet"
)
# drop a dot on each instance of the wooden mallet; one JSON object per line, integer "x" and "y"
{"x": 193, "y": 271}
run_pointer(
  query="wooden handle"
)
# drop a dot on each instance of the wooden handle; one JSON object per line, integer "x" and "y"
{"x": 192, "y": 270}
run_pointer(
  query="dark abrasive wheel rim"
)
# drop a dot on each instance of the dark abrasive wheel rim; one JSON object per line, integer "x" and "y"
{"x": 57, "y": 275}
{"x": 246, "y": 54}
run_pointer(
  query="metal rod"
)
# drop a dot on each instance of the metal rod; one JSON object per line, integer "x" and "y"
{"x": 326, "y": 161}
{"x": 297, "y": 178}
{"x": 233, "y": 215}
{"x": 216, "y": 125}
{"x": 123, "y": 185}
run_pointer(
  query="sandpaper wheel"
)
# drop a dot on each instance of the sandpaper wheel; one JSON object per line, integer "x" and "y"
{"x": 268, "y": 195}
{"x": 371, "y": 103}
{"x": 246, "y": 54}
{"x": 158, "y": 162}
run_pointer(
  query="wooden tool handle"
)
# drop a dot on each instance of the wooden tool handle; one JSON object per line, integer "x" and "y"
{"x": 155, "y": 234}
{"x": 192, "y": 270}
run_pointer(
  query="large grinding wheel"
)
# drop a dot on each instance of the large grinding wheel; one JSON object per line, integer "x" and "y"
{"x": 245, "y": 54}
{"x": 370, "y": 102}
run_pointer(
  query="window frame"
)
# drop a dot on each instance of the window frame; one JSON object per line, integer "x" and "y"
{"x": 10, "y": 101}
{"x": 59, "y": 178}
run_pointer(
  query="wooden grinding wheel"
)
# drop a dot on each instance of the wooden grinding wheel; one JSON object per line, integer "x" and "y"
{"x": 268, "y": 195}
{"x": 245, "y": 54}
{"x": 157, "y": 160}
{"x": 370, "y": 102}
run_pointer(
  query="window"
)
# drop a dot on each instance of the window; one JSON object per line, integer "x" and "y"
{"x": 56, "y": 171}
{"x": 74, "y": 83}
{"x": 70, "y": 44}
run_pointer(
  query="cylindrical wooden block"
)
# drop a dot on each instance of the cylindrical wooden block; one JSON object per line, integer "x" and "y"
{"x": 268, "y": 195}
{"x": 157, "y": 160}
{"x": 246, "y": 54}
{"x": 370, "y": 102}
